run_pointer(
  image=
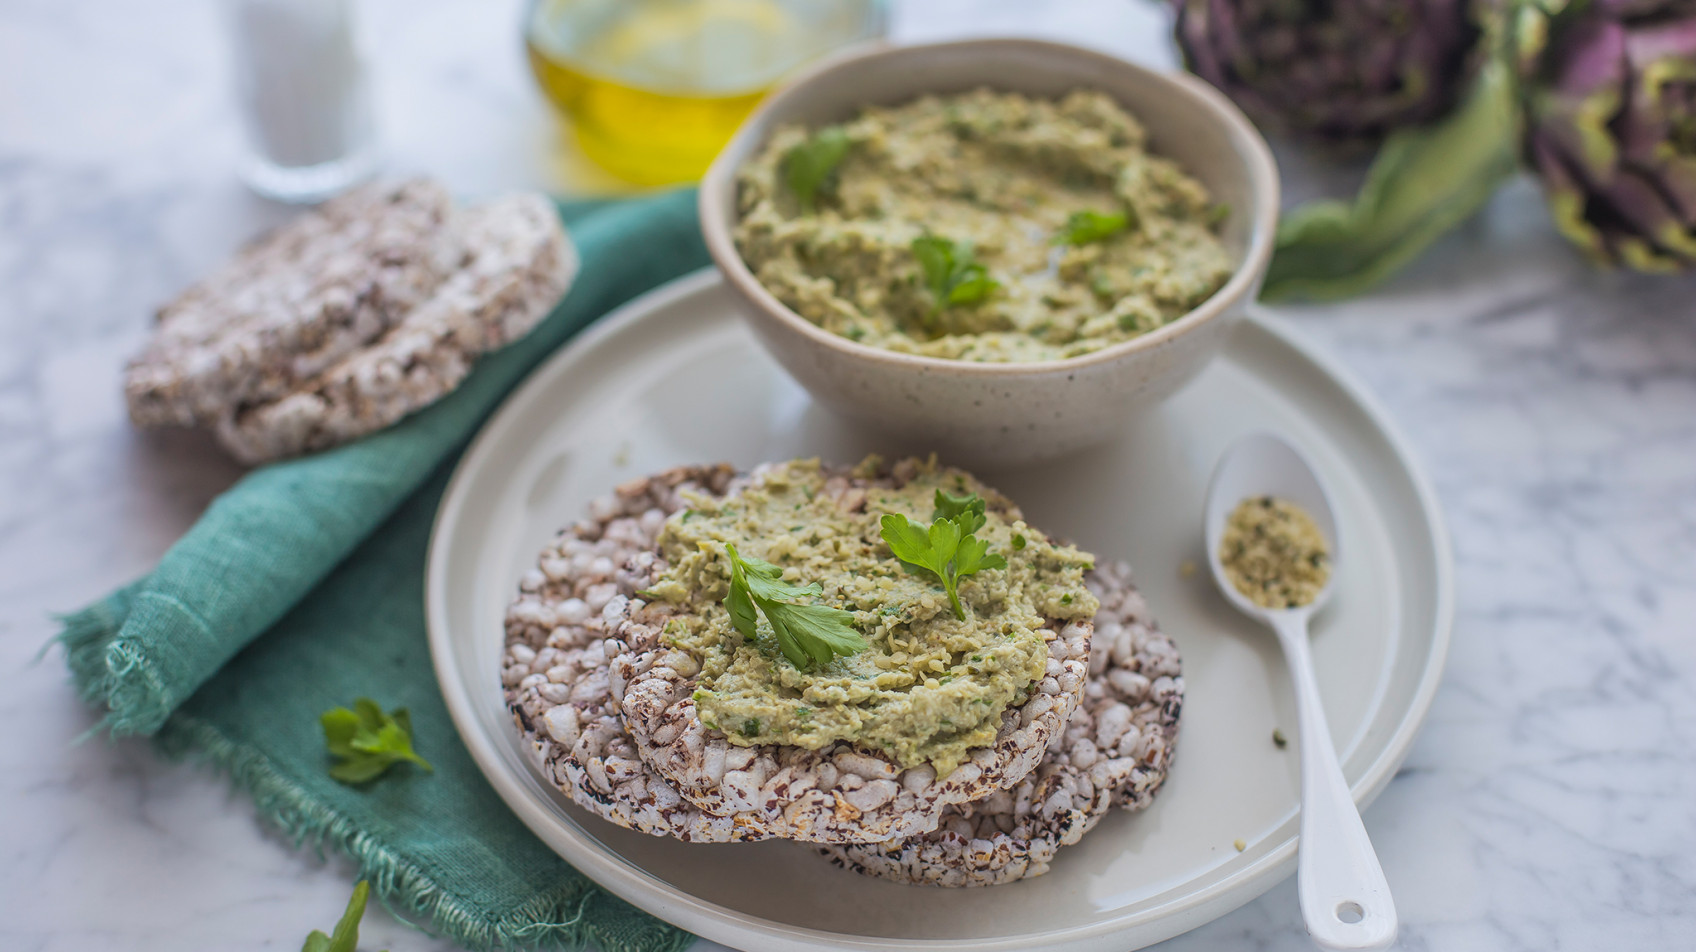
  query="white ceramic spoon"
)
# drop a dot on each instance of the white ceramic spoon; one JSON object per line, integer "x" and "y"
{"x": 1344, "y": 899}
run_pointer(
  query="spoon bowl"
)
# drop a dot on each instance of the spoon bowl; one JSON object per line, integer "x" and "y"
{"x": 1345, "y": 900}
{"x": 1264, "y": 465}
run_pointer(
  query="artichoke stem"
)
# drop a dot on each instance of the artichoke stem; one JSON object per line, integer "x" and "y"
{"x": 1422, "y": 183}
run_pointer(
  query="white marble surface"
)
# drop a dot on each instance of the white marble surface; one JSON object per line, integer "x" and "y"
{"x": 1547, "y": 805}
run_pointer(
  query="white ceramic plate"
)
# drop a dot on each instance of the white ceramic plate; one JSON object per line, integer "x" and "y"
{"x": 674, "y": 378}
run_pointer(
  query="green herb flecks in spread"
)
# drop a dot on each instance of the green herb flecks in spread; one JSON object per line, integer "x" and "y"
{"x": 928, "y": 687}
{"x": 1085, "y": 238}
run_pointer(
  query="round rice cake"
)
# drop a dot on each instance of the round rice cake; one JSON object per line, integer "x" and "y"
{"x": 1115, "y": 751}
{"x": 515, "y": 264}
{"x": 841, "y": 792}
{"x": 555, "y": 667}
{"x": 294, "y": 302}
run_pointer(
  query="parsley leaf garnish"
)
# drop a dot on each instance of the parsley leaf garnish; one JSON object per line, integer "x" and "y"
{"x": 1087, "y": 226}
{"x": 950, "y": 273}
{"x": 366, "y": 742}
{"x": 809, "y": 165}
{"x": 946, "y": 548}
{"x": 346, "y": 934}
{"x": 971, "y": 506}
{"x": 807, "y": 634}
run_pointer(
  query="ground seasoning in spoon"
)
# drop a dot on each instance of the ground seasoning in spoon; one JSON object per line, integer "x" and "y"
{"x": 1274, "y": 554}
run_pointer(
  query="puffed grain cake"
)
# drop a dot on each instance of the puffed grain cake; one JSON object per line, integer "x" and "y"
{"x": 1115, "y": 751}
{"x": 515, "y": 264}
{"x": 294, "y": 302}
{"x": 839, "y": 793}
{"x": 554, "y": 670}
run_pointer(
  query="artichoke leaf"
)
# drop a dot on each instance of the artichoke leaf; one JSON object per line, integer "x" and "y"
{"x": 1422, "y": 182}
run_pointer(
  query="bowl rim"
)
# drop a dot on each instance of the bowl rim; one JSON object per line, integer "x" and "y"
{"x": 718, "y": 188}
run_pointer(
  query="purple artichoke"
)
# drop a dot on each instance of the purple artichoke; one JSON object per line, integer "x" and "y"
{"x": 1607, "y": 91}
{"x": 1344, "y": 71}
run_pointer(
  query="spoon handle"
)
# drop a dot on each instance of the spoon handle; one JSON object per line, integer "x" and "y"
{"x": 1345, "y": 900}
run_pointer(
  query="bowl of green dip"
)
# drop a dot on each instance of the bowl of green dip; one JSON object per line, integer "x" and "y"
{"x": 995, "y": 249}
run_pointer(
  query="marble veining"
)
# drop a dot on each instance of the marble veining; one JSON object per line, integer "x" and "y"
{"x": 1547, "y": 804}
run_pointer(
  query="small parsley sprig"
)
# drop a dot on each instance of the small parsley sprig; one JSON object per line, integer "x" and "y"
{"x": 968, "y": 509}
{"x": 950, "y": 272}
{"x": 366, "y": 742}
{"x": 808, "y": 635}
{"x": 346, "y": 935}
{"x": 1087, "y": 226}
{"x": 808, "y": 166}
{"x": 946, "y": 548}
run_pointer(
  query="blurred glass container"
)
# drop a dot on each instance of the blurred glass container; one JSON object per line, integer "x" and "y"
{"x": 305, "y": 95}
{"x": 656, "y": 87}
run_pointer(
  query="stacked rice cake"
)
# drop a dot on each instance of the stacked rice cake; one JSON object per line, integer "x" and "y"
{"x": 605, "y": 702}
{"x": 349, "y": 318}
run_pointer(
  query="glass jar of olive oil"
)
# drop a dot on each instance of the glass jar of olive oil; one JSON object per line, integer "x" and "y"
{"x": 656, "y": 87}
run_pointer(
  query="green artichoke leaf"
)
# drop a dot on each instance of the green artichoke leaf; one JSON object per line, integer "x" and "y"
{"x": 1422, "y": 182}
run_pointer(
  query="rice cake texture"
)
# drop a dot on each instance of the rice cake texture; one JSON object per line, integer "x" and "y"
{"x": 294, "y": 302}
{"x": 555, "y": 667}
{"x": 1115, "y": 751}
{"x": 516, "y": 263}
{"x": 839, "y": 793}
{"x": 349, "y": 318}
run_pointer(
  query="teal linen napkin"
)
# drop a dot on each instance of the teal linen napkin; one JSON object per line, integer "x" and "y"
{"x": 301, "y": 588}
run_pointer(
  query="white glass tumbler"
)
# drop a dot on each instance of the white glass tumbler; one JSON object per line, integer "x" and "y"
{"x": 305, "y": 95}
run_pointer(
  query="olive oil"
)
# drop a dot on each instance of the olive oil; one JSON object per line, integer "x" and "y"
{"x": 656, "y": 87}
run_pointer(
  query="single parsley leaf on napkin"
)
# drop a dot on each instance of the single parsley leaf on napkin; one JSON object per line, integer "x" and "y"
{"x": 366, "y": 742}
{"x": 950, "y": 272}
{"x": 1087, "y": 226}
{"x": 946, "y": 548}
{"x": 808, "y": 166}
{"x": 808, "y": 635}
{"x": 346, "y": 935}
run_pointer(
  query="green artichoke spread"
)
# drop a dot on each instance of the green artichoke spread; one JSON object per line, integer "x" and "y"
{"x": 984, "y": 226}
{"x": 928, "y": 688}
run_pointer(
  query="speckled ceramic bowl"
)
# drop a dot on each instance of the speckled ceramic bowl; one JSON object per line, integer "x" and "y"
{"x": 983, "y": 413}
